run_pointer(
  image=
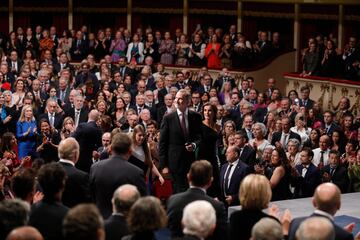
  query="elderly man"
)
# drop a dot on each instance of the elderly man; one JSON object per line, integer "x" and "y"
{"x": 316, "y": 228}
{"x": 25, "y": 233}
{"x": 124, "y": 197}
{"x": 198, "y": 220}
{"x": 55, "y": 119}
{"x": 77, "y": 183}
{"x": 327, "y": 201}
{"x": 321, "y": 154}
{"x": 267, "y": 229}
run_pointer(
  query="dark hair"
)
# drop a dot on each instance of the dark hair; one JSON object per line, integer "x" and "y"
{"x": 303, "y": 88}
{"x": 200, "y": 173}
{"x": 51, "y": 179}
{"x": 283, "y": 158}
{"x": 212, "y": 108}
{"x": 14, "y": 213}
{"x": 152, "y": 123}
{"x": 243, "y": 134}
{"x": 120, "y": 143}
{"x": 82, "y": 223}
{"x": 5, "y": 144}
{"x": 336, "y": 152}
{"x": 309, "y": 152}
{"x": 23, "y": 182}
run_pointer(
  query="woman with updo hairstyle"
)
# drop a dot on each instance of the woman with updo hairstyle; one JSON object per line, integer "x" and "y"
{"x": 255, "y": 195}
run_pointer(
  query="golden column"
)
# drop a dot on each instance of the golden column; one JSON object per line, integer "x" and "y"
{"x": 297, "y": 35}
{"x": 70, "y": 14}
{"x": 341, "y": 27}
{"x": 185, "y": 16}
{"x": 11, "y": 15}
{"x": 129, "y": 14}
{"x": 239, "y": 16}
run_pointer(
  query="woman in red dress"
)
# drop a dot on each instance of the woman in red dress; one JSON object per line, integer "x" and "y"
{"x": 212, "y": 52}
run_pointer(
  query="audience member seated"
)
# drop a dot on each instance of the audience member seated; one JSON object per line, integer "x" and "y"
{"x": 24, "y": 233}
{"x": 316, "y": 228}
{"x": 267, "y": 229}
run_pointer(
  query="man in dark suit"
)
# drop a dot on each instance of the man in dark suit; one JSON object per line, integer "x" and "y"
{"x": 124, "y": 197}
{"x": 88, "y": 136}
{"x": 7, "y": 75}
{"x": 280, "y": 139}
{"x": 206, "y": 86}
{"x": 307, "y": 175}
{"x": 200, "y": 179}
{"x": 165, "y": 108}
{"x": 196, "y": 101}
{"x": 180, "y": 135}
{"x": 107, "y": 175}
{"x": 305, "y": 101}
{"x": 218, "y": 84}
{"x": 329, "y": 125}
{"x": 231, "y": 175}
{"x": 77, "y": 188}
{"x": 336, "y": 173}
{"x": 78, "y": 48}
{"x": 247, "y": 153}
{"x": 139, "y": 104}
{"x": 63, "y": 63}
{"x": 124, "y": 70}
{"x": 47, "y": 215}
{"x": 55, "y": 119}
{"x": 64, "y": 91}
{"x": 14, "y": 62}
{"x": 79, "y": 113}
{"x": 326, "y": 201}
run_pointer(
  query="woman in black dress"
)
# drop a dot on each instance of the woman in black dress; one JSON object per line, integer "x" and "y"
{"x": 208, "y": 145}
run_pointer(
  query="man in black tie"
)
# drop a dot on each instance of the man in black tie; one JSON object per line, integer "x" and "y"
{"x": 305, "y": 100}
{"x": 55, "y": 119}
{"x": 231, "y": 175}
{"x": 180, "y": 135}
{"x": 196, "y": 101}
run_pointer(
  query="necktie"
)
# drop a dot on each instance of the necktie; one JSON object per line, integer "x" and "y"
{"x": 226, "y": 180}
{"x": 332, "y": 170}
{"x": 78, "y": 43}
{"x": 322, "y": 157}
{"x": 285, "y": 140}
{"x": 303, "y": 172}
{"x": 77, "y": 114}
{"x": 14, "y": 66}
{"x": 52, "y": 120}
{"x": 183, "y": 125}
{"x": 139, "y": 110}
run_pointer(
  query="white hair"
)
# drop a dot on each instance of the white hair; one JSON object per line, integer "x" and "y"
{"x": 267, "y": 229}
{"x": 199, "y": 218}
{"x": 316, "y": 228}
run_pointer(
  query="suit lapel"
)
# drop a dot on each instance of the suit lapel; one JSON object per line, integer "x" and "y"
{"x": 236, "y": 172}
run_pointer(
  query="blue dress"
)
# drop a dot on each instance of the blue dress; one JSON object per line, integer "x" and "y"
{"x": 26, "y": 144}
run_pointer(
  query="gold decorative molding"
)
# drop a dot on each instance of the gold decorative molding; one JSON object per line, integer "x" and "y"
{"x": 158, "y": 10}
{"x": 309, "y": 85}
{"x": 296, "y": 85}
{"x": 344, "y": 92}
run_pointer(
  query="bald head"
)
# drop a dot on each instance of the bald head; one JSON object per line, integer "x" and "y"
{"x": 24, "y": 233}
{"x": 69, "y": 149}
{"x": 327, "y": 198}
{"x": 94, "y": 115}
{"x": 316, "y": 228}
{"x": 124, "y": 197}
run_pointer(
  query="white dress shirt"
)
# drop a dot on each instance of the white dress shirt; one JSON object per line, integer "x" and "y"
{"x": 234, "y": 165}
{"x": 317, "y": 155}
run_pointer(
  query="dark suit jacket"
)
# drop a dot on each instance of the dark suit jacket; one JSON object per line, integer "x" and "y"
{"x": 116, "y": 227}
{"x": 161, "y": 95}
{"x": 107, "y": 175}
{"x": 238, "y": 175}
{"x": 82, "y": 50}
{"x": 332, "y": 128}
{"x": 67, "y": 93}
{"x": 77, "y": 189}
{"x": 340, "y": 233}
{"x": 241, "y": 223}
{"x": 57, "y": 121}
{"x": 172, "y": 151}
{"x": 277, "y": 137}
{"x": 88, "y": 136}
{"x": 57, "y": 68}
{"x": 19, "y": 65}
{"x": 339, "y": 178}
{"x": 220, "y": 82}
{"x": 47, "y": 217}
{"x": 248, "y": 156}
{"x": 260, "y": 115}
{"x": 309, "y": 104}
{"x": 305, "y": 186}
{"x": 177, "y": 203}
{"x": 84, "y": 112}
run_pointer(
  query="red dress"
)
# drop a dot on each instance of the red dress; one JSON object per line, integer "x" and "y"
{"x": 214, "y": 61}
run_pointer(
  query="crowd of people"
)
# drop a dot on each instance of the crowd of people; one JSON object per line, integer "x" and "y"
{"x": 110, "y": 134}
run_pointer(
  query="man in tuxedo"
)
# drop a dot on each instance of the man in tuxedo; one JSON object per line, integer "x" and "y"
{"x": 79, "y": 113}
{"x": 132, "y": 121}
{"x": 200, "y": 179}
{"x": 305, "y": 101}
{"x": 336, "y": 173}
{"x": 307, "y": 175}
{"x": 180, "y": 135}
{"x": 166, "y": 108}
{"x": 47, "y": 215}
{"x": 326, "y": 201}
{"x": 281, "y": 138}
{"x": 39, "y": 95}
{"x": 206, "y": 84}
{"x": 270, "y": 84}
{"x": 55, "y": 119}
{"x": 107, "y": 175}
{"x": 196, "y": 101}
{"x": 77, "y": 188}
{"x": 139, "y": 103}
{"x": 329, "y": 125}
{"x": 114, "y": 84}
{"x": 244, "y": 90}
{"x": 88, "y": 136}
{"x": 64, "y": 91}
{"x": 231, "y": 175}
{"x": 247, "y": 125}
{"x": 180, "y": 84}
{"x": 124, "y": 197}
{"x": 78, "y": 48}
{"x": 124, "y": 70}
{"x": 247, "y": 153}
{"x": 285, "y": 109}
{"x": 225, "y": 77}
{"x": 14, "y": 63}
{"x": 63, "y": 63}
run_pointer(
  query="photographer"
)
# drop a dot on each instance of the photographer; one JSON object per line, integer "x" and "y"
{"x": 47, "y": 142}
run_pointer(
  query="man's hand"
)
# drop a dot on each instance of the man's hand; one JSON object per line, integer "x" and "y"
{"x": 38, "y": 196}
{"x": 228, "y": 199}
{"x": 350, "y": 227}
{"x": 165, "y": 170}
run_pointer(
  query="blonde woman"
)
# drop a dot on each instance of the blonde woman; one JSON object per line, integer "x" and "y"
{"x": 301, "y": 128}
{"x": 26, "y": 132}
{"x": 68, "y": 128}
{"x": 141, "y": 156}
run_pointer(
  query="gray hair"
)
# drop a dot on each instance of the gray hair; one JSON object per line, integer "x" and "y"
{"x": 296, "y": 142}
{"x": 14, "y": 213}
{"x": 124, "y": 197}
{"x": 262, "y": 128}
{"x": 199, "y": 218}
{"x": 316, "y": 228}
{"x": 267, "y": 229}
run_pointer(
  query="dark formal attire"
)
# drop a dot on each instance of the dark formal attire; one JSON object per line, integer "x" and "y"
{"x": 307, "y": 103}
{"x": 282, "y": 190}
{"x": 248, "y": 155}
{"x": 307, "y": 181}
{"x": 339, "y": 176}
{"x": 57, "y": 122}
{"x": 63, "y": 95}
{"x": 116, "y": 227}
{"x": 340, "y": 233}
{"x": 174, "y": 134}
{"x": 208, "y": 151}
{"x": 331, "y": 128}
{"x": 47, "y": 216}
{"x": 177, "y": 203}
{"x": 241, "y": 223}
{"x": 77, "y": 189}
{"x": 88, "y": 136}
{"x": 218, "y": 84}
{"x": 78, "y": 50}
{"x": 231, "y": 176}
{"x": 277, "y": 137}
{"x": 82, "y": 115}
{"x": 49, "y": 153}
{"x": 107, "y": 175}
{"x": 60, "y": 66}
